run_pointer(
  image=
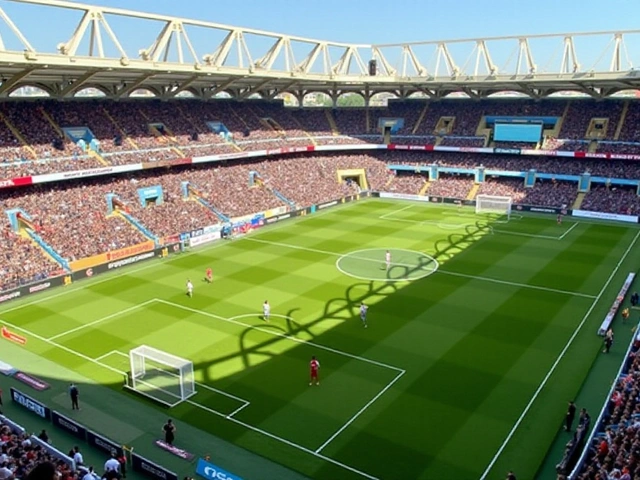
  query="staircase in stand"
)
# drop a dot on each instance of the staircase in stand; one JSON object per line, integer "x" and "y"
{"x": 97, "y": 156}
{"x": 18, "y": 135}
{"x": 120, "y": 129}
{"x": 623, "y": 116}
{"x": 473, "y": 192}
{"x": 578, "y": 201}
{"x": 424, "y": 188}
{"x": 332, "y": 123}
{"x": 420, "y": 119}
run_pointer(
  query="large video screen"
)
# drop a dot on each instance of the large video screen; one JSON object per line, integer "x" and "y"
{"x": 509, "y": 132}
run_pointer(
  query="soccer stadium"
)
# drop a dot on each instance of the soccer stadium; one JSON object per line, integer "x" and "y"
{"x": 235, "y": 254}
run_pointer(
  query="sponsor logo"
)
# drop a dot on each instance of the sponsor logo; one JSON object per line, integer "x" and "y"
{"x": 402, "y": 196}
{"x": 129, "y": 251}
{"x": 272, "y": 220}
{"x": 87, "y": 173}
{"x": 326, "y": 205}
{"x": 130, "y": 260}
{"x": 89, "y": 272}
{"x": 518, "y": 207}
{"x": 13, "y": 337}
{"x": 542, "y": 210}
{"x": 507, "y": 151}
{"x": 39, "y": 288}
{"x": 33, "y": 382}
{"x": 30, "y": 404}
{"x": 204, "y": 238}
{"x": 9, "y": 296}
{"x": 7, "y": 183}
{"x": 210, "y": 471}
{"x": 151, "y": 469}
{"x": 7, "y": 369}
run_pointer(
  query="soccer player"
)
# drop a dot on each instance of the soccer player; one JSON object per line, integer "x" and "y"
{"x": 560, "y": 219}
{"x": 189, "y": 288}
{"x": 387, "y": 258}
{"x": 363, "y": 314}
{"x": 209, "y": 275}
{"x": 314, "y": 366}
{"x": 266, "y": 310}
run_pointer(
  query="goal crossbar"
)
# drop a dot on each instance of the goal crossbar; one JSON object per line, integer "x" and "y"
{"x": 494, "y": 204}
{"x": 160, "y": 375}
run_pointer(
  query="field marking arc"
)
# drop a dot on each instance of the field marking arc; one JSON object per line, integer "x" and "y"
{"x": 354, "y": 253}
{"x": 202, "y": 407}
{"x": 558, "y": 360}
{"x": 445, "y": 272}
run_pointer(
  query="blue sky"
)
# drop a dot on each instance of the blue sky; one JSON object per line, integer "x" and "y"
{"x": 355, "y": 21}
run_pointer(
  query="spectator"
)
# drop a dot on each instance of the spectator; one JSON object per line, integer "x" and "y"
{"x": 43, "y": 436}
{"x": 112, "y": 465}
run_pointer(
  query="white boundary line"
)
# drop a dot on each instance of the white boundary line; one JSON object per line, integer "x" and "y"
{"x": 278, "y": 334}
{"x": 230, "y": 416}
{"x": 100, "y": 320}
{"x": 558, "y": 360}
{"x": 456, "y": 226}
{"x": 473, "y": 277}
{"x": 400, "y": 371}
{"x": 360, "y": 412}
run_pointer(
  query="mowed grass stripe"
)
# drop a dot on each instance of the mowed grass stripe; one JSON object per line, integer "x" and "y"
{"x": 430, "y": 328}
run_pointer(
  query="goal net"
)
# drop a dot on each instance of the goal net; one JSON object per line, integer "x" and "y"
{"x": 491, "y": 204}
{"x": 161, "y": 376}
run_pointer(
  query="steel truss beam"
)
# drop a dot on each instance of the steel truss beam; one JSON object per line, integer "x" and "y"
{"x": 255, "y": 61}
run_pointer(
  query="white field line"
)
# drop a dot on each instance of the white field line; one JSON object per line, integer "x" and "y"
{"x": 108, "y": 354}
{"x": 155, "y": 264}
{"x": 282, "y": 335}
{"x": 389, "y": 216}
{"x": 569, "y": 231}
{"x": 515, "y": 284}
{"x": 100, "y": 320}
{"x": 206, "y": 387}
{"x": 202, "y": 407}
{"x": 360, "y": 412}
{"x": 445, "y": 272}
{"x": 558, "y": 360}
{"x": 238, "y": 409}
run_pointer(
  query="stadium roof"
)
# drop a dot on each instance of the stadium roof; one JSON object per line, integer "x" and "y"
{"x": 247, "y": 62}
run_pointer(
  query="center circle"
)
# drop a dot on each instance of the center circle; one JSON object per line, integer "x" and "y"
{"x": 370, "y": 264}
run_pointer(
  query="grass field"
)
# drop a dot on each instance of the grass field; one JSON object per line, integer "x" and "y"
{"x": 478, "y": 335}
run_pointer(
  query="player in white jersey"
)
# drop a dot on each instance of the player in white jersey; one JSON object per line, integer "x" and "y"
{"x": 387, "y": 258}
{"x": 363, "y": 314}
{"x": 189, "y": 288}
{"x": 266, "y": 310}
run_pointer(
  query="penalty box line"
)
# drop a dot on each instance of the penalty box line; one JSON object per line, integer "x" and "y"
{"x": 244, "y": 402}
{"x": 443, "y": 272}
{"x": 400, "y": 372}
{"x": 200, "y": 406}
{"x": 391, "y": 216}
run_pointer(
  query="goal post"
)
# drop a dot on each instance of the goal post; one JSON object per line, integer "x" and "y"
{"x": 161, "y": 376}
{"x": 494, "y": 204}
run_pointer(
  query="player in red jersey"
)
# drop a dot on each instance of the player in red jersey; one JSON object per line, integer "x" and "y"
{"x": 209, "y": 275}
{"x": 314, "y": 365}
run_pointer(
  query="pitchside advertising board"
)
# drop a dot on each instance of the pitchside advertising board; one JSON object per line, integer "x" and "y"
{"x": 209, "y": 471}
{"x": 30, "y": 404}
{"x": 68, "y": 425}
{"x": 150, "y": 469}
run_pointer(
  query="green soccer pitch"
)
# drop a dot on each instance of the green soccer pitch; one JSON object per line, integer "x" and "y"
{"x": 478, "y": 333}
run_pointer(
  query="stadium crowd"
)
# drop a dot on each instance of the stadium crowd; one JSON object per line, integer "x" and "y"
{"x": 36, "y": 137}
{"x": 19, "y": 455}
{"x": 615, "y": 452}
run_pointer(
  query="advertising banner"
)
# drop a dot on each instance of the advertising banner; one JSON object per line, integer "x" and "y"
{"x": 402, "y": 196}
{"x": 150, "y": 469}
{"x": 68, "y": 425}
{"x": 16, "y": 182}
{"x": 92, "y": 172}
{"x": 102, "y": 258}
{"x": 102, "y": 443}
{"x": 28, "y": 403}
{"x": 32, "y": 381}
{"x": 209, "y": 471}
{"x": 205, "y": 238}
{"x": 616, "y": 305}
{"x": 605, "y": 216}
